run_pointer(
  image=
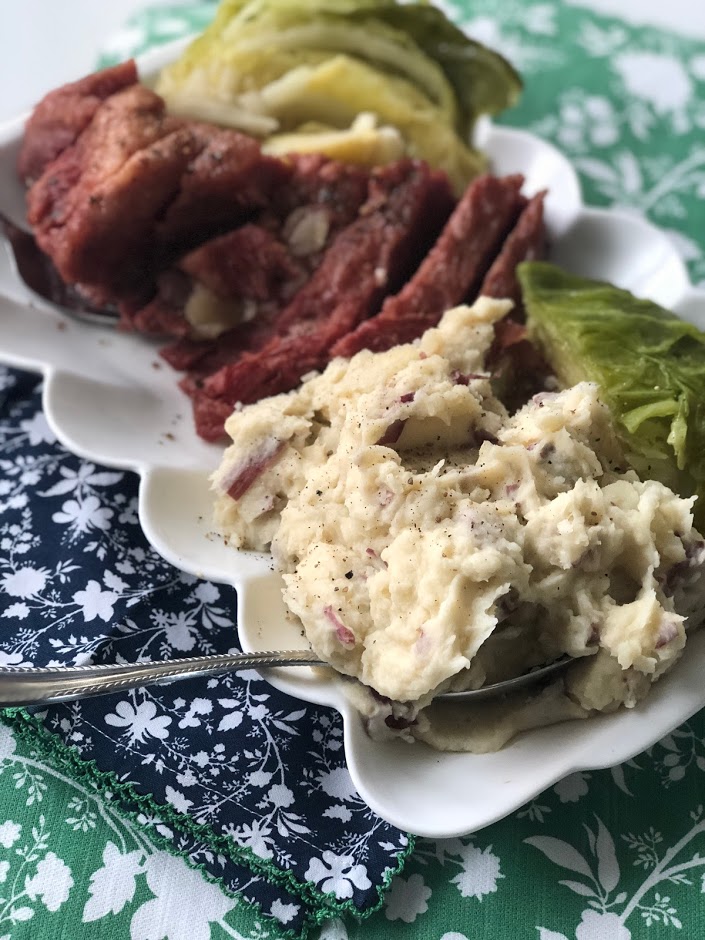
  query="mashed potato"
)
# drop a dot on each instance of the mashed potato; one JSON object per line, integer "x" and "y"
{"x": 428, "y": 540}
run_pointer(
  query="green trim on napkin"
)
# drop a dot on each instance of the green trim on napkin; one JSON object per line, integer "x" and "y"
{"x": 321, "y": 906}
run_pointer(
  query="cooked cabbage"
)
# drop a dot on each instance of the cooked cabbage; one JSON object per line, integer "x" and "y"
{"x": 649, "y": 364}
{"x": 277, "y": 65}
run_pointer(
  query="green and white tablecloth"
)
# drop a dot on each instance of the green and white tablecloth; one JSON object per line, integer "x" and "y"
{"x": 607, "y": 855}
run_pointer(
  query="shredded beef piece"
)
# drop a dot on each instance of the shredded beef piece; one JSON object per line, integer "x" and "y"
{"x": 452, "y": 271}
{"x": 526, "y": 242}
{"x": 157, "y": 318}
{"x": 209, "y": 414}
{"x": 507, "y": 332}
{"x": 162, "y": 316}
{"x": 203, "y": 357}
{"x": 406, "y": 207}
{"x": 63, "y": 114}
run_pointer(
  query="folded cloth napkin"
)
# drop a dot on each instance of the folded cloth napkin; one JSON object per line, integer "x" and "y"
{"x": 250, "y": 781}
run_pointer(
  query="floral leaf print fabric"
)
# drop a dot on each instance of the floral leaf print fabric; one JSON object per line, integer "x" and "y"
{"x": 230, "y": 761}
{"x": 106, "y": 878}
{"x": 626, "y": 104}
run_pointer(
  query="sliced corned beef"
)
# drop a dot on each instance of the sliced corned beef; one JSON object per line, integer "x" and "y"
{"x": 407, "y": 205}
{"x": 526, "y": 242}
{"x": 451, "y": 272}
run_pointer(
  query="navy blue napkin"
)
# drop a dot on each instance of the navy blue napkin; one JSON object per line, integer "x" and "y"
{"x": 249, "y": 783}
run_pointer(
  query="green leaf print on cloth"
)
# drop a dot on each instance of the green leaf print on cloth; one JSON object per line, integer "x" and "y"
{"x": 627, "y": 104}
{"x": 604, "y": 855}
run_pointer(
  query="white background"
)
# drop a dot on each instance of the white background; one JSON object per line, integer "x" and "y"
{"x": 46, "y": 42}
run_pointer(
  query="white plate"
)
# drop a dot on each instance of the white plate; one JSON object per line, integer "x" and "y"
{"x": 110, "y": 399}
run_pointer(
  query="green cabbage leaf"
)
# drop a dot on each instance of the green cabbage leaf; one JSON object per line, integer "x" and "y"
{"x": 649, "y": 364}
{"x": 267, "y": 64}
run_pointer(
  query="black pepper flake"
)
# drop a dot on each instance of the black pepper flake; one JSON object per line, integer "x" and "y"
{"x": 348, "y": 575}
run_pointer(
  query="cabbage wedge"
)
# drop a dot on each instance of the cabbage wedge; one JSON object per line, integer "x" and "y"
{"x": 649, "y": 364}
{"x": 281, "y": 65}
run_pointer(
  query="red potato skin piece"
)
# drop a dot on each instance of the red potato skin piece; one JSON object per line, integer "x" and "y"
{"x": 452, "y": 271}
{"x": 63, "y": 114}
{"x": 253, "y": 468}
{"x": 344, "y": 634}
{"x": 406, "y": 207}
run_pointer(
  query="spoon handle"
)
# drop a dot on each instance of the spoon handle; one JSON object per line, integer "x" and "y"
{"x": 27, "y": 685}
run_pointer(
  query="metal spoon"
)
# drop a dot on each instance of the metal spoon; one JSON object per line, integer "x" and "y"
{"x": 29, "y": 685}
{"x": 38, "y": 274}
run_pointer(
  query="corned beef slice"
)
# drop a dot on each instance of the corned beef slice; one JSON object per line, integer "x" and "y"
{"x": 322, "y": 197}
{"x": 518, "y": 368}
{"x": 246, "y": 268}
{"x": 63, "y": 114}
{"x": 526, "y": 242}
{"x": 138, "y": 209}
{"x": 407, "y": 204}
{"x": 254, "y": 275}
{"x": 113, "y": 208}
{"x": 93, "y": 209}
{"x": 452, "y": 271}
{"x": 406, "y": 207}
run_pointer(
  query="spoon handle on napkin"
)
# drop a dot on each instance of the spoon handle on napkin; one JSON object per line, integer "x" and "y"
{"x": 30, "y": 685}
{"x": 27, "y": 685}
